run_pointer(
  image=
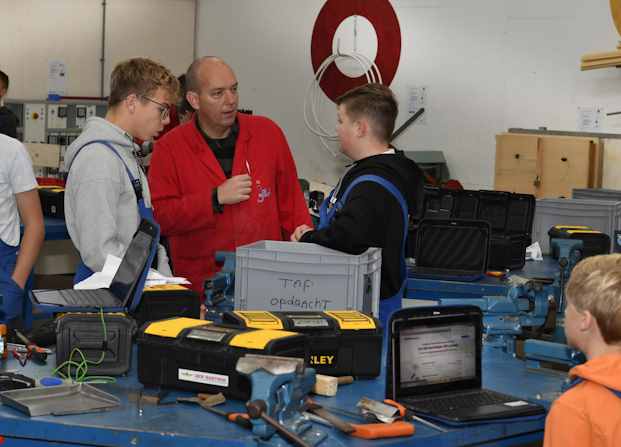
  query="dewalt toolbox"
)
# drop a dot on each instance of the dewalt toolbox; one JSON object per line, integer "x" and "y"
{"x": 594, "y": 242}
{"x": 340, "y": 342}
{"x": 167, "y": 301}
{"x": 52, "y": 201}
{"x": 199, "y": 356}
{"x": 104, "y": 339}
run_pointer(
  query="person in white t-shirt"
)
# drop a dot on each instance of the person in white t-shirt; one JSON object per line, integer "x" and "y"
{"x": 18, "y": 199}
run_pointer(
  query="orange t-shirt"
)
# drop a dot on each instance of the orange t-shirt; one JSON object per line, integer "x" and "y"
{"x": 588, "y": 414}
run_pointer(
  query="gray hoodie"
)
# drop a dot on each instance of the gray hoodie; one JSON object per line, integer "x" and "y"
{"x": 100, "y": 204}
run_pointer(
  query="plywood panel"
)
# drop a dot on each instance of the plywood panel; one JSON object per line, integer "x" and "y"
{"x": 565, "y": 165}
{"x": 516, "y": 163}
{"x": 612, "y": 162}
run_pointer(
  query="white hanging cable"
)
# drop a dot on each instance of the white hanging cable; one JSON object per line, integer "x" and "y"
{"x": 314, "y": 93}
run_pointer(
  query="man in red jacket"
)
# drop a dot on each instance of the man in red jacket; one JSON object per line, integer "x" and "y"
{"x": 223, "y": 179}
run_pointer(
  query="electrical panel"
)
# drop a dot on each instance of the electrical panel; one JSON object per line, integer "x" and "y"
{"x": 56, "y": 116}
{"x": 53, "y": 123}
{"x": 34, "y": 123}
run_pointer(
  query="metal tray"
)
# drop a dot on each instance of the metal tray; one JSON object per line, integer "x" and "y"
{"x": 59, "y": 400}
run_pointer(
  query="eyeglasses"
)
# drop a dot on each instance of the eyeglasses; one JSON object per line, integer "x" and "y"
{"x": 164, "y": 108}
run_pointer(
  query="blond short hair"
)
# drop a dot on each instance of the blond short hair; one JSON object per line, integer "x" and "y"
{"x": 142, "y": 77}
{"x": 595, "y": 286}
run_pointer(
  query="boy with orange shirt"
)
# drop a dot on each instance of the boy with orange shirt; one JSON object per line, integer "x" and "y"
{"x": 589, "y": 413}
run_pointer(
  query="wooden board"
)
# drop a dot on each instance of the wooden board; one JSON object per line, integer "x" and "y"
{"x": 516, "y": 163}
{"x": 44, "y": 155}
{"x": 615, "y": 10}
{"x": 566, "y": 164}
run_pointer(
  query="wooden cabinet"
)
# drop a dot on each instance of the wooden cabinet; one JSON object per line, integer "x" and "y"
{"x": 547, "y": 165}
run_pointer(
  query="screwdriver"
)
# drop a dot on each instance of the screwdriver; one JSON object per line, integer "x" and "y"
{"x": 241, "y": 419}
{"x": 36, "y": 354}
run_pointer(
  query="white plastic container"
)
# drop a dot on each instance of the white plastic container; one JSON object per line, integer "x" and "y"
{"x": 281, "y": 276}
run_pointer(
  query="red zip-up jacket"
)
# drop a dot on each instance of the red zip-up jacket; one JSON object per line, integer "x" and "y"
{"x": 182, "y": 175}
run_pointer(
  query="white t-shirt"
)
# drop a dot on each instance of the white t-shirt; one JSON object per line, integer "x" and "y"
{"x": 16, "y": 175}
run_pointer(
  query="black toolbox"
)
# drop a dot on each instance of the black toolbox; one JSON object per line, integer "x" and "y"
{"x": 340, "y": 342}
{"x": 105, "y": 340}
{"x": 167, "y": 301}
{"x": 511, "y": 219}
{"x": 594, "y": 242}
{"x": 196, "y": 355}
{"x": 451, "y": 249}
{"x": 52, "y": 201}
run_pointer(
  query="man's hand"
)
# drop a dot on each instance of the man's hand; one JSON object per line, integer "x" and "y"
{"x": 235, "y": 190}
{"x": 299, "y": 232}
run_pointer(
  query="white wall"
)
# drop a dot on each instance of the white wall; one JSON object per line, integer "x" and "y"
{"x": 33, "y": 32}
{"x": 488, "y": 65}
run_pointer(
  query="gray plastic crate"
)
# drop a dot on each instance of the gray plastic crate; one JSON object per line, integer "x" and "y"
{"x": 602, "y": 215}
{"x": 276, "y": 275}
{"x": 613, "y": 195}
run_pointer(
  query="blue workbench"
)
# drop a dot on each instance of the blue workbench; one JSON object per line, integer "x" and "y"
{"x": 424, "y": 288}
{"x": 186, "y": 425}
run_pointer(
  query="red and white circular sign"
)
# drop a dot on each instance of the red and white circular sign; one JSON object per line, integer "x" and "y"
{"x": 383, "y": 18}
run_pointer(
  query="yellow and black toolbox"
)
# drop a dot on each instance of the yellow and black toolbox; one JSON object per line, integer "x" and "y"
{"x": 341, "y": 342}
{"x": 594, "y": 242}
{"x": 197, "y": 355}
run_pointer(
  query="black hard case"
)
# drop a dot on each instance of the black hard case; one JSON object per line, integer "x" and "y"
{"x": 85, "y": 332}
{"x": 161, "y": 302}
{"x": 356, "y": 352}
{"x": 452, "y": 249}
{"x": 160, "y": 359}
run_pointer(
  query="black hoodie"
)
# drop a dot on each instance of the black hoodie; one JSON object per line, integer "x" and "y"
{"x": 372, "y": 217}
{"x": 8, "y": 122}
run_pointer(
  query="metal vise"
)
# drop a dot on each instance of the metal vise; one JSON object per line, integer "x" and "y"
{"x": 279, "y": 386}
{"x": 220, "y": 290}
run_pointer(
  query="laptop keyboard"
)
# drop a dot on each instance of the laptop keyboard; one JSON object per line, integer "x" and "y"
{"x": 442, "y": 404}
{"x": 87, "y": 298}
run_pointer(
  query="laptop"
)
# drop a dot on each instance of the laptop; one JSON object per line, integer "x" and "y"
{"x": 436, "y": 366}
{"x": 126, "y": 287}
{"x": 451, "y": 249}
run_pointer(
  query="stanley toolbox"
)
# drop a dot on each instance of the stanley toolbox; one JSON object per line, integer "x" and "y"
{"x": 199, "y": 356}
{"x": 167, "y": 301}
{"x": 341, "y": 343}
{"x": 594, "y": 242}
{"x": 105, "y": 340}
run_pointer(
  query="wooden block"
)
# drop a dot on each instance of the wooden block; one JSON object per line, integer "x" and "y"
{"x": 325, "y": 385}
{"x": 345, "y": 380}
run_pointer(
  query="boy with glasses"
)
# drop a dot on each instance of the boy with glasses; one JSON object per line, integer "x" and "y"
{"x": 107, "y": 192}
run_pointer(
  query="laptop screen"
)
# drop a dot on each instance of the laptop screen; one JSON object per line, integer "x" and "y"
{"x": 436, "y": 352}
{"x": 133, "y": 263}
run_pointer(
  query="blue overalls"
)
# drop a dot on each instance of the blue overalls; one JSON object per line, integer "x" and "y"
{"x": 328, "y": 211}
{"x": 82, "y": 271}
{"x": 11, "y": 295}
